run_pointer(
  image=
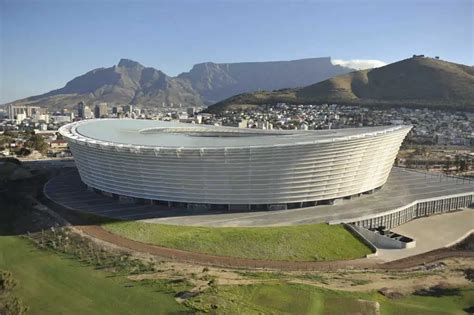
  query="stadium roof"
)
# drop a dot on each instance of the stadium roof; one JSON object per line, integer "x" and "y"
{"x": 152, "y": 133}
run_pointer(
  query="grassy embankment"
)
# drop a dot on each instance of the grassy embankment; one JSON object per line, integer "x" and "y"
{"x": 315, "y": 242}
{"x": 49, "y": 283}
{"x": 303, "y": 299}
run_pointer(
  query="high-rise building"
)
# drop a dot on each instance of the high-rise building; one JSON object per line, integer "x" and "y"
{"x": 100, "y": 110}
{"x": 191, "y": 111}
{"x": 88, "y": 114}
{"x": 117, "y": 109}
{"x": 20, "y": 117}
{"x": 80, "y": 110}
{"x": 128, "y": 108}
{"x": 41, "y": 118}
{"x": 29, "y": 111}
{"x": 243, "y": 123}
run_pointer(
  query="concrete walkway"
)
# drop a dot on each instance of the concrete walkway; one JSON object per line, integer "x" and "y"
{"x": 431, "y": 233}
{"x": 403, "y": 187}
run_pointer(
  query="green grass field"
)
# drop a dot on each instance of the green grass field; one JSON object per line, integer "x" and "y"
{"x": 302, "y": 299}
{"x": 52, "y": 284}
{"x": 315, "y": 242}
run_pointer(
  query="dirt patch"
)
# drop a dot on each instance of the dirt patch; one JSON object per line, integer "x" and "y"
{"x": 426, "y": 258}
{"x": 392, "y": 284}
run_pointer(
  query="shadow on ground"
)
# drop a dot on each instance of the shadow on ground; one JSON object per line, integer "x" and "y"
{"x": 438, "y": 291}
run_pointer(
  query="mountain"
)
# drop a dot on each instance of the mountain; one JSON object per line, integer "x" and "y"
{"x": 217, "y": 81}
{"x": 126, "y": 83}
{"x": 129, "y": 82}
{"x": 417, "y": 81}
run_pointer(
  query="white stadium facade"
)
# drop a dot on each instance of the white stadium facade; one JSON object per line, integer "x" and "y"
{"x": 200, "y": 166}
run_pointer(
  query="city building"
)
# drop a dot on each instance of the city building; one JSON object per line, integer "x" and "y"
{"x": 80, "y": 109}
{"x": 243, "y": 123}
{"x": 61, "y": 119}
{"x": 100, "y": 110}
{"x": 117, "y": 109}
{"x": 128, "y": 108}
{"x": 87, "y": 113}
{"x": 232, "y": 168}
{"x": 29, "y": 111}
{"x": 191, "y": 111}
{"x": 20, "y": 117}
{"x": 38, "y": 117}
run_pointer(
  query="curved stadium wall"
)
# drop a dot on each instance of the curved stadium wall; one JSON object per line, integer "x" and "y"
{"x": 291, "y": 172}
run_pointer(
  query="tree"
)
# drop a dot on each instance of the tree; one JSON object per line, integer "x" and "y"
{"x": 23, "y": 152}
{"x": 447, "y": 165}
{"x": 463, "y": 165}
{"x": 5, "y": 141}
{"x": 8, "y": 133}
{"x": 457, "y": 162}
{"x": 36, "y": 142}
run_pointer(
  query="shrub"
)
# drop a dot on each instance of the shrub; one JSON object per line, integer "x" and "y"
{"x": 14, "y": 306}
{"x": 7, "y": 283}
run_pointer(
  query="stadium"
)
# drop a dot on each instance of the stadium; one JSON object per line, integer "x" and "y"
{"x": 211, "y": 167}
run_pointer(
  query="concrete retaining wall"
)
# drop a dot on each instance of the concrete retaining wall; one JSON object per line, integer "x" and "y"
{"x": 415, "y": 210}
{"x": 383, "y": 241}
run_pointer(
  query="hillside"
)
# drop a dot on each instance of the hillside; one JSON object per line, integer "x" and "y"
{"x": 410, "y": 82}
{"x": 131, "y": 83}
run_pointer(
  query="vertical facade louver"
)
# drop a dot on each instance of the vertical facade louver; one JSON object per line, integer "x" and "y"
{"x": 230, "y": 166}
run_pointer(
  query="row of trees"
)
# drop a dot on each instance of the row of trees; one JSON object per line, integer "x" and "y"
{"x": 461, "y": 165}
{"x": 457, "y": 165}
{"x": 423, "y": 157}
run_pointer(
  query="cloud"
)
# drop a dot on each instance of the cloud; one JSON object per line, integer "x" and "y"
{"x": 359, "y": 64}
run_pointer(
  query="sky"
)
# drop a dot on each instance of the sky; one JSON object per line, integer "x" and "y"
{"x": 45, "y": 43}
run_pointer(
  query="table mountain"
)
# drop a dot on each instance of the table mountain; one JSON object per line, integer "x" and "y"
{"x": 129, "y": 82}
{"x": 217, "y": 81}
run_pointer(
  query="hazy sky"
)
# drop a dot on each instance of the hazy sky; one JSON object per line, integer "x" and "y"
{"x": 45, "y": 43}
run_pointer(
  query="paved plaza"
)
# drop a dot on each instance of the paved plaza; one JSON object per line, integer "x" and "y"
{"x": 431, "y": 233}
{"x": 403, "y": 187}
